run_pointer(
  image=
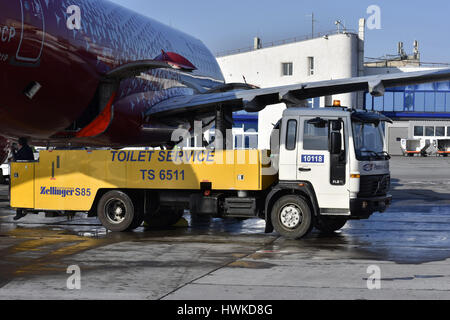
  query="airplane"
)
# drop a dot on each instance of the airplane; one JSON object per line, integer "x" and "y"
{"x": 93, "y": 73}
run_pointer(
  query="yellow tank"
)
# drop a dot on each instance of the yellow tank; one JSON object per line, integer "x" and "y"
{"x": 70, "y": 180}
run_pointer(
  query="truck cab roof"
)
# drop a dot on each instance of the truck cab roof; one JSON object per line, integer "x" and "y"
{"x": 315, "y": 112}
{"x": 357, "y": 115}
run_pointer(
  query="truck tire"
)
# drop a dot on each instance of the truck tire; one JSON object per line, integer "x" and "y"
{"x": 116, "y": 212}
{"x": 292, "y": 217}
{"x": 330, "y": 224}
{"x": 163, "y": 217}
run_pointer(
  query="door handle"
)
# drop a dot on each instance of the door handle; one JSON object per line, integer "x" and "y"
{"x": 304, "y": 169}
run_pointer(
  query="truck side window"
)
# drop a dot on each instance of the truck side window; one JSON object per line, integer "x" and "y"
{"x": 315, "y": 138}
{"x": 291, "y": 135}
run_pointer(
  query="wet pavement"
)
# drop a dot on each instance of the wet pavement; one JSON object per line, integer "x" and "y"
{"x": 230, "y": 259}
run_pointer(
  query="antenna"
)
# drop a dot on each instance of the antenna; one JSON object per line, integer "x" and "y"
{"x": 312, "y": 23}
{"x": 339, "y": 24}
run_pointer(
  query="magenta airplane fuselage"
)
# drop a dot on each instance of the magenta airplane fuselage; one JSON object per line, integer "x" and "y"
{"x": 54, "y": 55}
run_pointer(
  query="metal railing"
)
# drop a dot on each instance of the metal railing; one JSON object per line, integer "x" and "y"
{"x": 396, "y": 58}
{"x": 284, "y": 41}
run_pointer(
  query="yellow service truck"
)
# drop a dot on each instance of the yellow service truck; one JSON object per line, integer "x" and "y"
{"x": 325, "y": 167}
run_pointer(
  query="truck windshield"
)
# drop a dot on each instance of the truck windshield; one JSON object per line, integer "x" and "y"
{"x": 369, "y": 141}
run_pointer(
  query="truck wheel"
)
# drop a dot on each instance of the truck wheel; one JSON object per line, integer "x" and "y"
{"x": 163, "y": 217}
{"x": 292, "y": 217}
{"x": 116, "y": 212}
{"x": 330, "y": 224}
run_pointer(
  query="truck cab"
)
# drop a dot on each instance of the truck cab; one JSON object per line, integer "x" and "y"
{"x": 334, "y": 160}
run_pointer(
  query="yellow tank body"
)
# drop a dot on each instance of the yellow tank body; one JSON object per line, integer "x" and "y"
{"x": 70, "y": 180}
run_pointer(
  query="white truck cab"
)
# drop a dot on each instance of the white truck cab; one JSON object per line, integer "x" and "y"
{"x": 337, "y": 157}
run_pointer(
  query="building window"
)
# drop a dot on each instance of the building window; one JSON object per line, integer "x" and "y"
{"x": 440, "y": 131}
{"x": 409, "y": 101}
{"x": 440, "y": 102}
{"x": 369, "y": 101}
{"x": 419, "y": 104}
{"x": 310, "y": 66}
{"x": 429, "y": 131}
{"x": 429, "y": 101}
{"x": 448, "y": 131}
{"x": 378, "y": 103}
{"x": 399, "y": 101}
{"x": 287, "y": 68}
{"x": 291, "y": 135}
{"x": 418, "y": 131}
{"x": 388, "y": 101}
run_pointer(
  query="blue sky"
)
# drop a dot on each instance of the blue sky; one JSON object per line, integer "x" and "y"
{"x": 227, "y": 25}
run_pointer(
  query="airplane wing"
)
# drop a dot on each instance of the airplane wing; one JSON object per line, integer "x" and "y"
{"x": 254, "y": 100}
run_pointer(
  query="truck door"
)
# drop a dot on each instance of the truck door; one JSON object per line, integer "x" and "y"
{"x": 288, "y": 163}
{"x": 328, "y": 173}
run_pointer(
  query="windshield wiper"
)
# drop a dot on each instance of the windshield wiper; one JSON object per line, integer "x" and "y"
{"x": 386, "y": 154}
{"x": 382, "y": 154}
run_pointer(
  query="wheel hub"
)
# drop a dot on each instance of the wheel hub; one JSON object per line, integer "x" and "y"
{"x": 291, "y": 216}
{"x": 115, "y": 211}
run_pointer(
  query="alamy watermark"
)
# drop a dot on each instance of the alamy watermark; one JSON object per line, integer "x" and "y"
{"x": 74, "y": 280}
{"x": 223, "y": 142}
{"x": 374, "y": 19}
{"x": 374, "y": 279}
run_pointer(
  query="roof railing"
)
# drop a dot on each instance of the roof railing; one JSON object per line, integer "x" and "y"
{"x": 285, "y": 41}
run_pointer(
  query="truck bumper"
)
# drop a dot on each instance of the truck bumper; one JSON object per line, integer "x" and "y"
{"x": 364, "y": 207}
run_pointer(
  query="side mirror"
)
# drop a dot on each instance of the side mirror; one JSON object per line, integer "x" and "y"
{"x": 335, "y": 143}
{"x": 336, "y": 125}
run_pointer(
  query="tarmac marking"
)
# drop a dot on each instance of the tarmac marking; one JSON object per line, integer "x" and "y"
{"x": 54, "y": 245}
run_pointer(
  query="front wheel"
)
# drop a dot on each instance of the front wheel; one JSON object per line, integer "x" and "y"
{"x": 292, "y": 217}
{"x": 330, "y": 224}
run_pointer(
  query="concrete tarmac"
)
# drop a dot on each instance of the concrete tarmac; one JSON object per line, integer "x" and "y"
{"x": 408, "y": 247}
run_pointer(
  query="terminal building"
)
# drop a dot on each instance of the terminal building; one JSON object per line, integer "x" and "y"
{"x": 417, "y": 111}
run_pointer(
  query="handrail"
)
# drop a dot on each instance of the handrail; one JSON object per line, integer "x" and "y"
{"x": 285, "y": 41}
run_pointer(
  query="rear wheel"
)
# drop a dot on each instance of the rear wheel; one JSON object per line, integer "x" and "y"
{"x": 117, "y": 212}
{"x": 330, "y": 224}
{"x": 163, "y": 217}
{"x": 292, "y": 217}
